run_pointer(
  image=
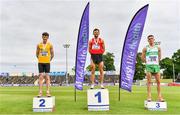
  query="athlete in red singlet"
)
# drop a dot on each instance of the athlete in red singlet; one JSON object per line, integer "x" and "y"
{"x": 96, "y": 49}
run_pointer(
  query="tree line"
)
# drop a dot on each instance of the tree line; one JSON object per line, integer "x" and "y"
{"x": 166, "y": 65}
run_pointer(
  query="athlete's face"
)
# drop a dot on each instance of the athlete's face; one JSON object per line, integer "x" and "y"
{"x": 151, "y": 40}
{"x": 96, "y": 33}
{"x": 45, "y": 38}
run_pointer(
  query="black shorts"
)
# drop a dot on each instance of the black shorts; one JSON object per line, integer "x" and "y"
{"x": 44, "y": 67}
{"x": 96, "y": 58}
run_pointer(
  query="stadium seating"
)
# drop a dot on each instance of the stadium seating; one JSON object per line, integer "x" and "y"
{"x": 58, "y": 80}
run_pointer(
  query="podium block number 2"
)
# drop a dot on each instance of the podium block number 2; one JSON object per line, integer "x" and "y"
{"x": 98, "y": 94}
{"x": 42, "y": 103}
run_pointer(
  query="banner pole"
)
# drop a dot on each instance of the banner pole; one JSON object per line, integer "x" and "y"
{"x": 119, "y": 85}
{"x": 119, "y": 94}
{"x": 75, "y": 94}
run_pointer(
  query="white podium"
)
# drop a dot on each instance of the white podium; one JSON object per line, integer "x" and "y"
{"x": 155, "y": 106}
{"x": 98, "y": 99}
{"x": 43, "y": 104}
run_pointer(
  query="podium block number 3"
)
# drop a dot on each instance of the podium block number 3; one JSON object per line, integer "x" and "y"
{"x": 42, "y": 103}
{"x": 157, "y": 105}
{"x": 98, "y": 94}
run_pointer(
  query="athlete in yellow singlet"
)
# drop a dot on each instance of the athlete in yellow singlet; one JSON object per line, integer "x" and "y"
{"x": 45, "y": 54}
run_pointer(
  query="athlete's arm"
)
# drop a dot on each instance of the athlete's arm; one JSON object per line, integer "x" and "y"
{"x": 143, "y": 57}
{"x": 37, "y": 51}
{"x": 52, "y": 52}
{"x": 159, "y": 53}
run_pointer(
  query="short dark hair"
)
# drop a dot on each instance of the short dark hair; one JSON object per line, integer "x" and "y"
{"x": 45, "y": 34}
{"x": 96, "y": 29}
{"x": 150, "y": 36}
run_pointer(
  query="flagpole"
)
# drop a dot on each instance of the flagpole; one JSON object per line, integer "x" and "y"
{"x": 120, "y": 84}
{"x": 75, "y": 94}
{"x": 119, "y": 93}
{"x": 75, "y": 87}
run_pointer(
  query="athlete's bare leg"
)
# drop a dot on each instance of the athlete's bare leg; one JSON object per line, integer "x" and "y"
{"x": 101, "y": 65}
{"x": 41, "y": 78}
{"x": 157, "y": 76}
{"x": 93, "y": 66}
{"x": 48, "y": 85}
{"x": 148, "y": 75}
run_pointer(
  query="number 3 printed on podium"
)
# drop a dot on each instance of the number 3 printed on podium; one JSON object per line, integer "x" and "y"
{"x": 157, "y": 105}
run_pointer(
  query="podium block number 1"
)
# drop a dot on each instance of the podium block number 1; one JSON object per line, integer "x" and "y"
{"x": 98, "y": 94}
{"x": 42, "y": 103}
{"x": 98, "y": 99}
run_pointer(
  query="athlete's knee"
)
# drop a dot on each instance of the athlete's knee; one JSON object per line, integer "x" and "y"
{"x": 41, "y": 74}
{"x": 93, "y": 72}
{"x": 101, "y": 64}
{"x": 148, "y": 82}
{"x": 158, "y": 82}
{"x": 41, "y": 77}
{"x": 101, "y": 71}
{"x": 47, "y": 77}
{"x": 93, "y": 67}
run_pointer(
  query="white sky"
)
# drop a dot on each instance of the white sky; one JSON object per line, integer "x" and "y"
{"x": 23, "y": 21}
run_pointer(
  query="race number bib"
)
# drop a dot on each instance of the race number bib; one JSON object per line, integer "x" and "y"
{"x": 44, "y": 53}
{"x": 152, "y": 59}
{"x": 96, "y": 46}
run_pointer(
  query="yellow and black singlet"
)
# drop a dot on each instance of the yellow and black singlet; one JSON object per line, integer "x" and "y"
{"x": 44, "y": 52}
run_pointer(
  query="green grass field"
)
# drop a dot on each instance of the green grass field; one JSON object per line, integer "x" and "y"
{"x": 18, "y": 100}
